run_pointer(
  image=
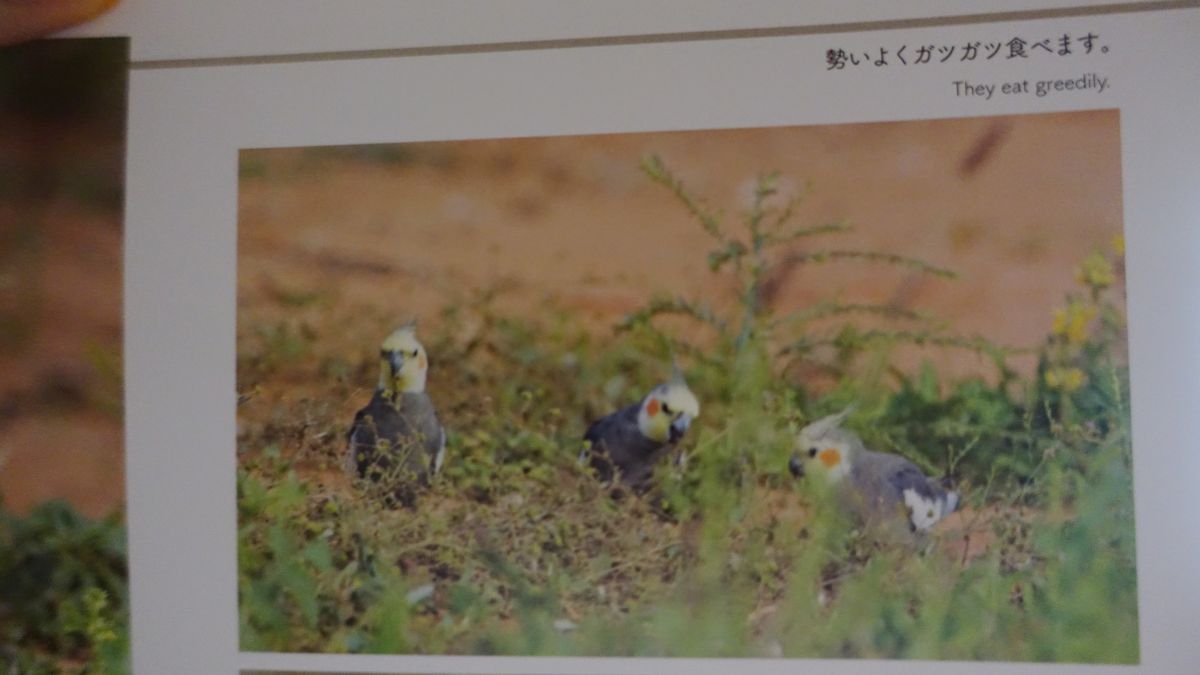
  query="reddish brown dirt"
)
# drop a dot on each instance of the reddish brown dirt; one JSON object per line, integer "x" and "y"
{"x": 1012, "y": 204}
{"x": 62, "y": 435}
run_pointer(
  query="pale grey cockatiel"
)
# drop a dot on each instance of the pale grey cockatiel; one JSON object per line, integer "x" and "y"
{"x": 631, "y": 441}
{"x": 396, "y": 441}
{"x": 879, "y": 488}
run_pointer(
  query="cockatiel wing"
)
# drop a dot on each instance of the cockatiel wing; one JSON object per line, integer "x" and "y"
{"x": 615, "y": 442}
{"x": 377, "y": 420}
{"x": 893, "y": 483}
{"x": 441, "y": 451}
{"x": 399, "y": 447}
{"x": 422, "y": 426}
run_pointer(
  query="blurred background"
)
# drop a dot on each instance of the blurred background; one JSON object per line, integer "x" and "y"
{"x": 62, "y": 131}
{"x": 1012, "y": 205}
{"x": 63, "y": 573}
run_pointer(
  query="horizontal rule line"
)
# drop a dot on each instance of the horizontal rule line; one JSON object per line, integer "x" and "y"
{"x": 660, "y": 38}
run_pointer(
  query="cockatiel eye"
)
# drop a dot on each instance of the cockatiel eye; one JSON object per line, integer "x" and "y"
{"x": 666, "y": 408}
{"x": 812, "y": 452}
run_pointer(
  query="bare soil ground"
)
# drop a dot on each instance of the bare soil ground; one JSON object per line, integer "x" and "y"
{"x": 60, "y": 397}
{"x": 1011, "y": 204}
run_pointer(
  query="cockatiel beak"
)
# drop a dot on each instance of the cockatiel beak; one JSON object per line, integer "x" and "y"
{"x": 679, "y": 427}
{"x": 396, "y": 359}
{"x": 796, "y": 466}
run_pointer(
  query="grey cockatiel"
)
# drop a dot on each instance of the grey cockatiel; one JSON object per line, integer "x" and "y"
{"x": 879, "y": 488}
{"x": 396, "y": 441}
{"x": 631, "y": 441}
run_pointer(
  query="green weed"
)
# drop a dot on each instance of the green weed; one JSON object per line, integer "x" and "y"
{"x": 63, "y": 593}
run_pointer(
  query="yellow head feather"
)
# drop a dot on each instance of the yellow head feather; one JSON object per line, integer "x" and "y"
{"x": 403, "y": 364}
{"x": 668, "y": 410}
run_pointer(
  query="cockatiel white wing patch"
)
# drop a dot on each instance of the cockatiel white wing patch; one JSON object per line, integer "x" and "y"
{"x": 923, "y": 512}
{"x": 441, "y": 452}
{"x": 925, "y": 501}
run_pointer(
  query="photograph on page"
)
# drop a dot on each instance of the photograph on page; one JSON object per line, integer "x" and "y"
{"x": 839, "y": 391}
{"x": 63, "y": 580}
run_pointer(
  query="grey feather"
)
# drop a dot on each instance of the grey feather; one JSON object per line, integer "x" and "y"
{"x": 396, "y": 443}
{"x": 880, "y": 485}
{"x": 618, "y": 446}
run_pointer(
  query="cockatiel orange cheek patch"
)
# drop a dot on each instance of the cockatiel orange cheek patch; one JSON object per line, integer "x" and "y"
{"x": 830, "y": 457}
{"x": 652, "y": 407}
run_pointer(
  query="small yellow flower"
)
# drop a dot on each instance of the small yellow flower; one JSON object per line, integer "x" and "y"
{"x": 1065, "y": 379}
{"x": 1053, "y": 377}
{"x": 1096, "y": 271}
{"x": 1077, "y": 326}
{"x": 1072, "y": 321}
{"x": 1059, "y": 327}
{"x": 1118, "y": 244}
{"x": 1073, "y": 379}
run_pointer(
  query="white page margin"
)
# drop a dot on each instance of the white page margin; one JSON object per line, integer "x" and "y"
{"x": 186, "y": 29}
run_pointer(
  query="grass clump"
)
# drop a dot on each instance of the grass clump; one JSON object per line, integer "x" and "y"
{"x": 63, "y": 592}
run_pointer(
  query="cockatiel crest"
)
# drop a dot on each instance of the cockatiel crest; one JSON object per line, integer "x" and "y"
{"x": 877, "y": 486}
